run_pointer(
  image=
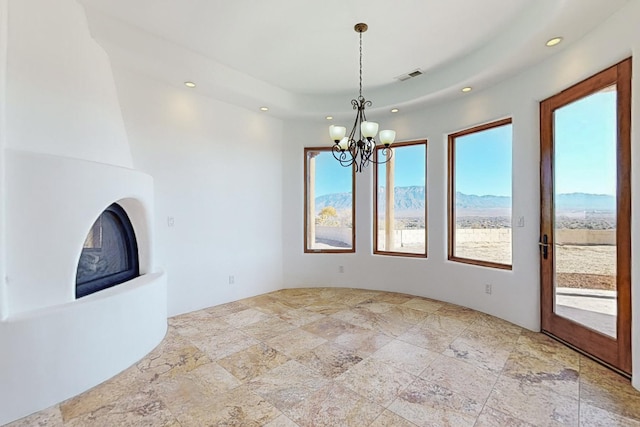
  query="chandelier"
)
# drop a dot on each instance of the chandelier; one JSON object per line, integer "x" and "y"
{"x": 349, "y": 151}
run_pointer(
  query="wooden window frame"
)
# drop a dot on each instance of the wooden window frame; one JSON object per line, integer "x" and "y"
{"x": 451, "y": 202}
{"x": 376, "y": 251}
{"x": 308, "y": 250}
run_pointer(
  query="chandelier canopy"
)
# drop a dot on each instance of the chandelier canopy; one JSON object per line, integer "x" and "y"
{"x": 349, "y": 151}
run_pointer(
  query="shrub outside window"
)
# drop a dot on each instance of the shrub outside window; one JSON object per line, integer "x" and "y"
{"x": 329, "y": 195}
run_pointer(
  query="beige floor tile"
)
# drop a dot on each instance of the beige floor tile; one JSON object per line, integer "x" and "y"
{"x": 281, "y": 421}
{"x": 329, "y": 359}
{"x": 127, "y": 382}
{"x": 172, "y": 357}
{"x": 391, "y": 419}
{"x": 268, "y": 328}
{"x": 543, "y": 373}
{"x": 393, "y": 297}
{"x": 490, "y": 417}
{"x": 144, "y": 409}
{"x": 224, "y": 344}
{"x": 427, "y": 404}
{"x": 50, "y": 417}
{"x": 405, "y": 356}
{"x": 544, "y": 347}
{"x": 534, "y": 404}
{"x": 407, "y": 314}
{"x": 461, "y": 378}
{"x": 245, "y": 317}
{"x": 327, "y": 307}
{"x": 605, "y": 389}
{"x": 296, "y": 342}
{"x": 491, "y": 356}
{"x": 364, "y": 343}
{"x": 376, "y": 381}
{"x": 334, "y": 405}
{"x": 591, "y": 416}
{"x": 300, "y": 316}
{"x": 225, "y": 309}
{"x": 288, "y": 384}
{"x": 375, "y": 306}
{"x": 238, "y": 407}
{"x": 330, "y": 328}
{"x": 253, "y": 361}
{"x": 458, "y": 312}
{"x": 423, "y": 304}
{"x": 430, "y": 339}
{"x": 443, "y": 324}
{"x": 209, "y": 380}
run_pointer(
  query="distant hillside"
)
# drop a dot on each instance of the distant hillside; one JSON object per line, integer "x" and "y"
{"x": 585, "y": 202}
{"x": 412, "y": 199}
{"x": 471, "y": 201}
{"x": 339, "y": 201}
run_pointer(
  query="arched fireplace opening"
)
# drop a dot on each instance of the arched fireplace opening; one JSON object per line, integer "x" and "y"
{"x": 109, "y": 254}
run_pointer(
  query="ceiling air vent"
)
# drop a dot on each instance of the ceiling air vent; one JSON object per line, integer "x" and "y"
{"x": 415, "y": 73}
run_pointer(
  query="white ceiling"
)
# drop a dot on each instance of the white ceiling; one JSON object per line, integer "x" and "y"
{"x": 300, "y": 57}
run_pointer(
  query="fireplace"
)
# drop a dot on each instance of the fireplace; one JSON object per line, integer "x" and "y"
{"x": 109, "y": 254}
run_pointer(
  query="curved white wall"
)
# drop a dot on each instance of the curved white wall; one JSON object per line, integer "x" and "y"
{"x": 65, "y": 158}
{"x": 516, "y": 293}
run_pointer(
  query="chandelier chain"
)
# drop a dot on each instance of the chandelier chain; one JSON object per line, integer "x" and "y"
{"x": 360, "y": 66}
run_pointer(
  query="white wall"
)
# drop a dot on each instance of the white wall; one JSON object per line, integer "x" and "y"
{"x": 60, "y": 79}
{"x": 3, "y": 90}
{"x": 217, "y": 172}
{"x": 515, "y": 293}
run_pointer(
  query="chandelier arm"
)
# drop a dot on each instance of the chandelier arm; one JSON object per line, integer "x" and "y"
{"x": 345, "y": 157}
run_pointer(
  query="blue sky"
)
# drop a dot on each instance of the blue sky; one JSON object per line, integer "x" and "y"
{"x": 585, "y": 155}
{"x": 585, "y": 145}
{"x": 483, "y": 162}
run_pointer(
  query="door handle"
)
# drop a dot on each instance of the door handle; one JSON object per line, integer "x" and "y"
{"x": 544, "y": 245}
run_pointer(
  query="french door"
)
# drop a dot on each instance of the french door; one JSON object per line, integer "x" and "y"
{"x": 585, "y": 197}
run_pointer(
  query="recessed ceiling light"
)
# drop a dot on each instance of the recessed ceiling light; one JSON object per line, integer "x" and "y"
{"x": 467, "y": 89}
{"x": 264, "y": 109}
{"x": 329, "y": 117}
{"x": 394, "y": 110}
{"x": 190, "y": 84}
{"x": 554, "y": 41}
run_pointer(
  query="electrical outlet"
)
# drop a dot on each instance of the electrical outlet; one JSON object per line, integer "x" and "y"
{"x": 232, "y": 280}
{"x": 341, "y": 269}
{"x": 487, "y": 288}
{"x": 170, "y": 221}
{"x": 520, "y": 221}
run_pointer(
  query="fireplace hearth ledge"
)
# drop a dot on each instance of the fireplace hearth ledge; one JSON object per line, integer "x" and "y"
{"x": 54, "y": 353}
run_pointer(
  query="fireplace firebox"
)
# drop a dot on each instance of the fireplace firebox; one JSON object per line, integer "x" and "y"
{"x": 109, "y": 254}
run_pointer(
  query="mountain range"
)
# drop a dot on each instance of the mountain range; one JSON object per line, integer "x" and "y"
{"x": 412, "y": 198}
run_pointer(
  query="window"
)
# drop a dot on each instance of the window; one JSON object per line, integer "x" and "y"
{"x": 109, "y": 254}
{"x": 400, "y": 203}
{"x": 329, "y": 194}
{"x": 480, "y": 195}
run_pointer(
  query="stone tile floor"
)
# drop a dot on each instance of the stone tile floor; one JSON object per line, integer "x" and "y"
{"x": 347, "y": 357}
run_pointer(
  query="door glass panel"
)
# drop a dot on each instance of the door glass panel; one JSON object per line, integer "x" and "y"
{"x": 585, "y": 211}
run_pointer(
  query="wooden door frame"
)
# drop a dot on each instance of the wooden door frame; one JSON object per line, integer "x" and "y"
{"x": 593, "y": 343}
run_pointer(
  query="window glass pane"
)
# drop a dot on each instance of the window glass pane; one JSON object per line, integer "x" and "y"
{"x": 329, "y": 197}
{"x": 585, "y": 185}
{"x": 401, "y": 220}
{"x": 481, "y": 193}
